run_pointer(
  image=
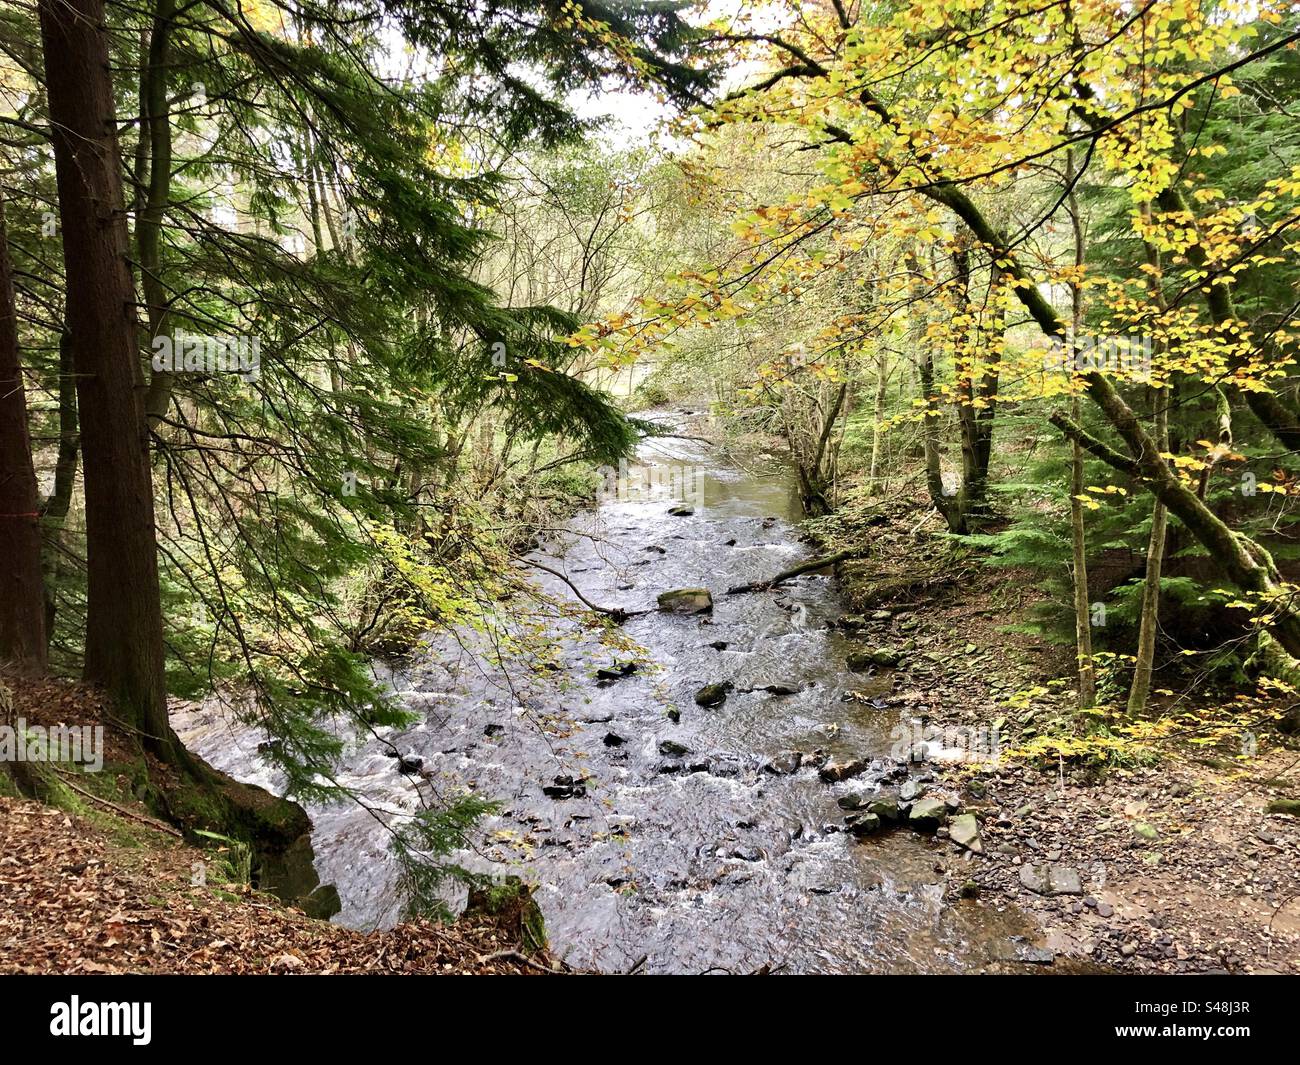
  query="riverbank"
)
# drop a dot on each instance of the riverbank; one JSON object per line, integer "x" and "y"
{"x": 76, "y": 897}
{"x": 94, "y": 882}
{"x": 1153, "y": 846}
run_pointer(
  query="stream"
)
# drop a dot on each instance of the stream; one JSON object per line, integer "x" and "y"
{"x": 690, "y": 843}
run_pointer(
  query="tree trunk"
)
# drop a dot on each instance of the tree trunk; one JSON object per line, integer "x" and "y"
{"x": 1146, "y": 649}
{"x": 54, "y": 510}
{"x": 155, "y": 124}
{"x": 1087, "y": 667}
{"x": 878, "y": 413}
{"x": 22, "y": 600}
{"x": 945, "y": 504}
{"x": 814, "y": 481}
{"x": 1082, "y": 610}
{"x": 1161, "y": 400}
{"x": 124, "y": 637}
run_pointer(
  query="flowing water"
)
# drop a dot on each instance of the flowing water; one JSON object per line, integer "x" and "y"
{"x": 672, "y": 841}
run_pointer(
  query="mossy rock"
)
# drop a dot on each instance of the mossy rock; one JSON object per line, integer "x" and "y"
{"x": 509, "y": 906}
{"x": 713, "y": 694}
{"x": 686, "y": 601}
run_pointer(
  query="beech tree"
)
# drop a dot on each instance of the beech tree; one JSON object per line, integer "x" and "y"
{"x": 936, "y": 111}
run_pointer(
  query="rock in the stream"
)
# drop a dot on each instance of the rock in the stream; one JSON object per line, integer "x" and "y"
{"x": 880, "y": 657}
{"x": 852, "y": 801}
{"x": 681, "y": 510}
{"x": 719, "y": 645}
{"x": 927, "y": 813}
{"x": 910, "y": 790}
{"x": 713, "y": 694}
{"x": 673, "y": 749}
{"x": 964, "y": 830}
{"x": 885, "y": 809}
{"x": 780, "y": 688}
{"x": 833, "y": 772}
{"x": 1028, "y": 954}
{"x": 863, "y": 824}
{"x": 783, "y": 765}
{"x": 565, "y": 788}
{"x": 613, "y": 740}
{"x": 686, "y": 601}
{"x": 617, "y": 672}
{"x": 1048, "y": 879}
{"x": 410, "y": 763}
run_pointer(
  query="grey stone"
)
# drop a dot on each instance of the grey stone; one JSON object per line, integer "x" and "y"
{"x": 964, "y": 830}
{"x": 833, "y": 772}
{"x": 686, "y": 601}
{"x": 1048, "y": 879}
{"x": 927, "y": 813}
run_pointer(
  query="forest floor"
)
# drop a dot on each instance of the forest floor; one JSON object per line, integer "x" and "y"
{"x": 1165, "y": 859}
{"x": 88, "y": 887}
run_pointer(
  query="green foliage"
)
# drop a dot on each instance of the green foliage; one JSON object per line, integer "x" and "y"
{"x": 423, "y": 845}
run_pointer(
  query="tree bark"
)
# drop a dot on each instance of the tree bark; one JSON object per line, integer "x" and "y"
{"x": 1087, "y": 667}
{"x": 1161, "y": 400}
{"x": 1079, "y": 550}
{"x": 878, "y": 412}
{"x": 22, "y": 599}
{"x": 124, "y": 636}
{"x": 54, "y": 509}
{"x": 155, "y": 124}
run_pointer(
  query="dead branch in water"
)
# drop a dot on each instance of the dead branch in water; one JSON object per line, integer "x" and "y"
{"x": 795, "y": 571}
{"x": 615, "y": 613}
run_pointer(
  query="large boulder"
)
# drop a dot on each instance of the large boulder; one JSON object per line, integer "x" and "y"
{"x": 927, "y": 813}
{"x": 687, "y": 601}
